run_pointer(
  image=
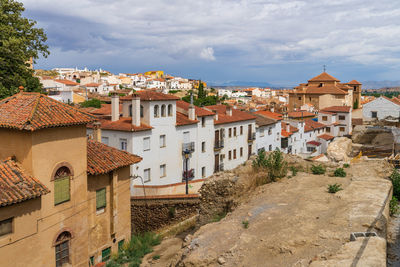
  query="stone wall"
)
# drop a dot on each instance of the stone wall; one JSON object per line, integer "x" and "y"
{"x": 152, "y": 214}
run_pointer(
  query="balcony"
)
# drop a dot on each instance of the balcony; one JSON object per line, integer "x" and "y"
{"x": 218, "y": 144}
{"x": 187, "y": 148}
{"x": 189, "y": 174}
{"x": 251, "y": 137}
{"x": 219, "y": 168}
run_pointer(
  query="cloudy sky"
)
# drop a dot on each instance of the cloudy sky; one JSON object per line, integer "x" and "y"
{"x": 277, "y": 41}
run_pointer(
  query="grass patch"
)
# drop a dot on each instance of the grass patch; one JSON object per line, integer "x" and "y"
{"x": 294, "y": 171}
{"x": 346, "y": 165}
{"x": 339, "y": 172}
{"x": 395, "y": 177}
{"x": 171, "y": 212}
{"x": 219, "y": 216}
{"x": 393, "y": 206}
{"x": 274, "y": 164}
{"x": 133, "y": 251}
{"x": 156, "y": 257}
{"x": 333, "y": 188}
{"x": 245, "y": 224}
{"x": 318, "y": 169}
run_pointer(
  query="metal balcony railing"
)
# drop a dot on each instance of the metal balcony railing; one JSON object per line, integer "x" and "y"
{"x": 189, "y": 174}
{"x": 187, "y": 148}
{"x": 251, "y": 136}
{"x": 218, "y": 144}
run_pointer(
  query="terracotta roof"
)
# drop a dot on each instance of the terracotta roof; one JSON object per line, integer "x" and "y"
{"x": 285, "y": 133}
{"x": 200, "y": 112}
{"x": 123, "y": 124}
{"x": 393, "y": 100}
{"x": 327, "y": 112}
{"x": 92, "y": 84}
{"x": 326, "y": 89}
{"x": 323, "y": 77}
{"x": 291, "y": 128}
{"x": 182, "y": 119}
{"x": 315, "y": 143}
{"x": 326, "y": 137}
{"x": 237, "y": 115}
{"x": 336, "y": 109}
{"x": 354, "y": 82}
{"x": 16, "y": 185}
{"x": 264, "y": 121}
{"x": 104, "y": 110}
{"x": 269, "y": 114}
{"x": 148, "y": 95}
{"x": 311, "y": 125}
{"x": 103, "y": 159}
{"x": 300, "y": 114}
{"x": 33, "y": 111}
{"x": 67, "y": 82}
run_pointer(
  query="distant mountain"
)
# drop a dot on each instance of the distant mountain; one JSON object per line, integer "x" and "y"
{"x": 241, "y": 84}
{"x": 379, "y": 84}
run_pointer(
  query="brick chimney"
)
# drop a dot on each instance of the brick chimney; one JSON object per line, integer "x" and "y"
{"x": 97, "y": 131}
{"x": 288, "y": 127}
{"x": 229, "y": 110}
{"x": 114, "y": 106}
{"x": 136, "y": 110}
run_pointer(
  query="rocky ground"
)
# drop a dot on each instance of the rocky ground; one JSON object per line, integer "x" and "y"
{"x": 292, "y": 222}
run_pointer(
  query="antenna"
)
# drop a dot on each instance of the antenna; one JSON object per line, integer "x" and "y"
{"x": 324, "y": 66}
{"x": 191, "y": 98}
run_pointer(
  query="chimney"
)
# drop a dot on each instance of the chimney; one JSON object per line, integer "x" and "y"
{"x": 97, "y": 131}
{"x": 136, "y": 110}
{"x": 191, "y": 111}
{"x": 288, "y": 127}
{"x": 229, "y": 110}
{"x": 272, "y": 109}
{"x": 114, "y": 106}
{"x": 216, "y": 115}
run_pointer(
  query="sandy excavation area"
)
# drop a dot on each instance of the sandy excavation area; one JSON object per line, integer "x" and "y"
{"x": 294, "y": 222}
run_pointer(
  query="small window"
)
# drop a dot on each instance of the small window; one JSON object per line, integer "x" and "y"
{"x": 170, "y": 110}
{"x": 141, "y": 111}
{"x": 324, "y": 118}
{"x": 156, "y": 111}
{"x": 163, "y": 111}
{"x": 101, "y": 199}
{"x": 91, "y": 261}
{"x": 6, "y": 227}
{"x": 230, "y": 155}
{"x": 146, "y": 144}
{"x": 146, "y": 175}
{"x": 269, "y": 131}
{"x": 230, "y": 132}
{"x": 163, "y": 170}
{"x": 328, "y": 130}
{"x": 123, "y": 144}
{"x": 62, "y": 185}
{"x": 341, "y": 129}
{"x": 241, "y": 130}
{"x": 374, "y": 114}
{"x": 241, "y": 151}
{"x": 203, "y": 172}
{"x": 162, "y": 140}
{"x": 342, "y": 117}
{"x": 234, "y": 154}
{"x": 270, "y": 147}
{"x": 203, "y": 146}
{"x": 104, "y": 140}
{"x": 203, "y": 122}
{"x": 234, "y": 131}
{"x": 121, "y": 245}
{"x": 299, "y": 97}
{"x": 106, "y": 254}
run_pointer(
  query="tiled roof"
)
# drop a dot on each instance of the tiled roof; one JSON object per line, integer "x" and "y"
{"x": 103, "y": 159}
{"x": 327, "y": 112}
{"x": 264, "y": 121}
{"x": 315, "y": 143}
{"x": 326, "y": 89}
{"x": 355, "y": 82}
{"x": 269, "y": 114}
{"x": 323, "y": 77}
{"x": 16, "y": 185}
{"x": 336, "y": 109}
{"x": 182, "y": 119}
{"x": 123, "y": 124}
{"x": 393, "y": 100}
{"x": 311, "y": 125}
{"x": 148, "y": 95}
{"x": 285, "y": 133}
{"x": 291, "y": 128}
{"x": 67, "y": 82}
{"x": 105, "y": 109}
{"x": 33, "y": 111}
{"x": 92, "y": 84}
{"x": 326, "y": 137}
{"x": 300, "y": 114}
{"x": 237, "y": 115}
{"x": 200, "y": 112}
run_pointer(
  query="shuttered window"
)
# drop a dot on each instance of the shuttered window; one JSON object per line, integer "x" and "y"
{"x": 6, "y": 227}
{"x": 106, "y": 254}
{"x": 101, "y": 198}
{"x": 61, "y": 190}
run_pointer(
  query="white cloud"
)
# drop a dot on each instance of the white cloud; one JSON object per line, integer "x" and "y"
{"x": 207, "y": 54}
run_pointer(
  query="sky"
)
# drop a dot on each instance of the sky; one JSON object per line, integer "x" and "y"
{"x": 278, "y": 41}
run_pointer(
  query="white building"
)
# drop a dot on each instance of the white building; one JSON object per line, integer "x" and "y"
{"x": 337, "y": 120}
{"x": 381, "y": 108}
{"x": 96, "y": 88}
{"x": 268, "y": 133}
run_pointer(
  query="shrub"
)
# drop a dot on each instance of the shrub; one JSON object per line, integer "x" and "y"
{"x": 260, "y": 161}
{"x": 294, "y": 170}
{"x": 156, "y": 257}
{"x": 395, "y": 177}
{"x": 276, "y": 165}
{"x": 346, "y": 165}
{"x": 393, "y": 206}
{"x": 94, "y": 103}
{"x": 245, "y": 224}
{"x": 339, "y": 172}
{"x": 333, "y": 188}
{"x": 171, "y": 212}
{"x": 318, "y": 169}
{"x": 219, "y": 216}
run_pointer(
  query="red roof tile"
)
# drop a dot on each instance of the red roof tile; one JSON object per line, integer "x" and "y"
{"x": 92, "y": 84}
{"x": 182, "y": 119}
{"x": 16, "y": 185}
{"x": 323, "y": 77}
{"x": 237, "y": 115}
{"x": 103, "y": 159}
{"x": 291, "y": 128}
{"x": 355, "y": 82}
{"x": 269, "y": 114}
{"x": 336, "y": 109}
{"x": 315, "y": 143}
{"x": 123, "y": 124}
{"x": 311, "y": 125}
{"x": 33, "y": 111}
{"x": 148, "y": 95}
{"x": 300, "y": 114}
{"x": 105, "y": 109}
{"x": 326, "y": 137}
{"x": 200, "y": 112}
{"x": 326, "y": 89}
{"x": 67, "y": 82}
{"x": 393, "y": 100}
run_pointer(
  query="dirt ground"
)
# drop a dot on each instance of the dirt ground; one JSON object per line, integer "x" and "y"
{"x": 292, "y": 222}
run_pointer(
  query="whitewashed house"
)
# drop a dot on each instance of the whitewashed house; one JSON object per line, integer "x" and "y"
{"x": 96, "y": 88}
{"x": 337, "y": 120}
{"x": 268, "y": 133}
{"x": 382, "y": 108}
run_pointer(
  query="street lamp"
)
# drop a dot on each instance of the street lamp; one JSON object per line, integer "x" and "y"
{"x": 187, "y": 155}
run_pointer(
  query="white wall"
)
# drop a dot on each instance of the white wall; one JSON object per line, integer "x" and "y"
{"x": 264, "y": 140}
{"x": 383, "y": 107}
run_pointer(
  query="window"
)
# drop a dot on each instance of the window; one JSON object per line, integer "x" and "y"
{"x": 230, "y": 155}
{"x": 106, "y": 254}
{"x": 299, "y": 97}
{"x": 203, "y": 172}
{"x": 342, "y": 117}
{"x": 61, "y": 185}
{"x": 241, "y": 130}
{"x": 163, "y": 111}
{"x": 269, "y": 131}
{"x": 141, "y": 111}
{"x": 91, "y": 261}
{"x": 374, "y": 114}
{"x": 62, "y": 249}
{"x": 104, "y": 140}
{"x": 163, "y": 170}
{"x": 121, "y": 245}
{"x": 310, "y": 149}
{"x": 203, "y": 122}
{"x": 146, "y": 143}
{"x": 241, "y": 151}
{"x": 130, "y": 110}
{"x": 156, "y": 112}
{"x": 341, "y": 129}
{"x": 328, "y": 129}
{"x": 169, "y": 110}
{"x": 101, "y": 199}
{"x": 123, "y": 144}
{"x": 162, "y": 140}
{"x": 230, "y": 132}
{"x": 324, "y": 118}
{"x": 270, "y": 147}
{"x": 234, "y": 131}
{"x": 146, "y": 175}
{"x": 234, "y": 154}
{"x": 6, "y": 226}
{"x": 203, "y": 146}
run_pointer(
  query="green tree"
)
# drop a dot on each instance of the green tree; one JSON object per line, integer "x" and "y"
{"x": 20, "y": 41}
{"x": 201, "y": 93}
{"x": 355, "y": 105}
